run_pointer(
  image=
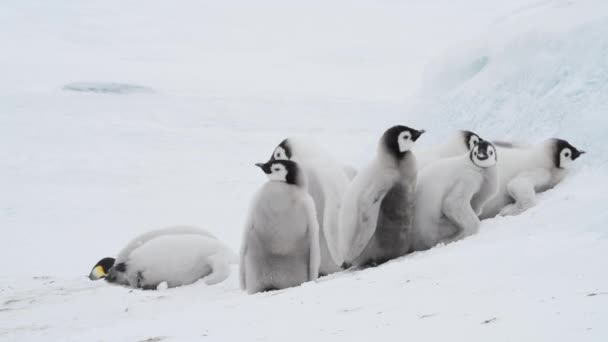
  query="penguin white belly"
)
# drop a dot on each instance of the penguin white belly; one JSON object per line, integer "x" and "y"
{"x": 174, "y": 259}
{"x": 278, "y": 247}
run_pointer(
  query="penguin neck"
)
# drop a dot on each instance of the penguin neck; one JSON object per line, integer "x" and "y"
{"x": 301, "y": 181}
{"x": 474, "y": 166}
{"x": 545, "y": 154}
{"x": 391, "y": 158}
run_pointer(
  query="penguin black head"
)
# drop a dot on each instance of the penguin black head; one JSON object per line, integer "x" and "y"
{"x": 399, "y": 139}
{"x": 470, "y": 139}
{"x": 484, "y": 154}
{"x": 564, "y": 153}
{"x": 101, "y": 269}
{"x": 281, "y": 170}
{"x": 282, "y": 152}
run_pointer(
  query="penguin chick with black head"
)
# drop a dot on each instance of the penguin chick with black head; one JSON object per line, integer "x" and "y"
{"x": 280, "y": 246}
{"x": 168, "y": 257}
{"x": 377, "y": 209}
{"x": 458, "y": 144}
{"x": 524, "y": 171}
{"x": 327, "y": 183}
{"x": 451, "y": 194}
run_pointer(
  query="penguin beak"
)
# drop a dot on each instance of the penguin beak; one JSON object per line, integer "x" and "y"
{"x": 417, "y": 134}
{"x": 97, "y": 273}
{"x": 264, "y": 166}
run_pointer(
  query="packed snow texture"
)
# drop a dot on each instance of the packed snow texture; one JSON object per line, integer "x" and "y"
{"x": 81, "y": 173}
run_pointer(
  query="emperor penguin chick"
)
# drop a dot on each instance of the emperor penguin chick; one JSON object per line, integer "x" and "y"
{"x": 378, "y": 206}
{"x": 280, "y": 246}
{"x": 172, "y": 256}
{"x": 327, "y": 182}
{"x": 450, "y": 195}
{"x": 524, "y": 171}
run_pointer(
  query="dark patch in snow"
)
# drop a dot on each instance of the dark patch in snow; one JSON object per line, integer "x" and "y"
{"x": 18, "y": 300}
{"x": 107, "y": 88}
{"x": 427, "y": 316}
{"x": 597, "y": 294}
{"x": 491, "y": 320}
{"x": 153, "y": 339}
{"x": 348, "y": 310}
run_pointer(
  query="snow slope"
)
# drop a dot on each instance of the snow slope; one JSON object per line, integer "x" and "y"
{"x": 81, "y": 173}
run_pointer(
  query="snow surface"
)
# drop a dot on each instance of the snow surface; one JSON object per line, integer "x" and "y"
{"x": 81, "y": 173}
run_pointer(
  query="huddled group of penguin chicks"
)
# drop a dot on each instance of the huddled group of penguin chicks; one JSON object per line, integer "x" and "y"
{"x": 316, "y": 216}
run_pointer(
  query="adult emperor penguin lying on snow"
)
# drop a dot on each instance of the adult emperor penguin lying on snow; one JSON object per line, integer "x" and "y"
{"x": 327, "y": 183}
{"x": 280, "y": 246}
{"x": 450, "y": 195}
{"x": 458, "y": 144}
{"x": 378, "y": 206}
{"x": 169, "y": 257}
{"x": 524, "y": 171}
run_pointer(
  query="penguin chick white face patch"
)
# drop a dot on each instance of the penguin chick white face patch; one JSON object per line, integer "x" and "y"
{"x": 278, "y": 172}
{"x": 473, "y": 141}
{"x": 484, "y": 155}
{"x": 280, "y": 154}
{"x": 565, "y": 157}
{"x": 405, "y": 142}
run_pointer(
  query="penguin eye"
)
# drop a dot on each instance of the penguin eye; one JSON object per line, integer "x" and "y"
{"x": 567, "y": 154}
{"x": 491, "y": 152}
{"x": 475, "y": 153}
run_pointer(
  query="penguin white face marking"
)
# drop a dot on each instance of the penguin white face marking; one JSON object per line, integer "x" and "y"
{"x": 278, "y": 173}
{"x": 399, "y": 139}
{"x": 565, "y": 157}
{"x": 285, "y": 171}
{"x": 280, "y": 154}
{"x": 564, "y": 153}
{"x": 484, "y": 155}
{"x": 473, "y": 141}
{"x": 405, "y": 142}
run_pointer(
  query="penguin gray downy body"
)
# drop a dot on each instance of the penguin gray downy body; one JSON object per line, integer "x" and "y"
{"x": 377, "y": 209}
{"x": 458, "y": 144}
{"x": 327, "y": 182}
{"x": 524, "y": 171}
{"x": 450, "y": 195}
{"x": 173, "y": 256}
{"x": 280, "y": 246}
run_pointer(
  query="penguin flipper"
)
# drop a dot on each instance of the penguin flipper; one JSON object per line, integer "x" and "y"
{"x": 314, "y": 259}
{"x": 366, "y": 216}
